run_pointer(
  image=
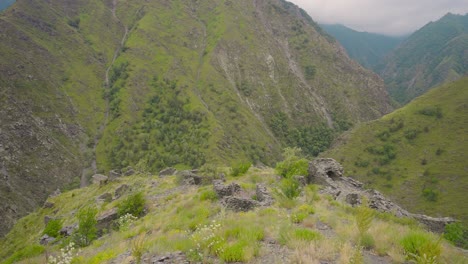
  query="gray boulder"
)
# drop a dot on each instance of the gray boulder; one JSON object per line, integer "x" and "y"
{"x": 263, "y": 196}
{"x": 45, "y": 240}
{"x": 129, "y": 171}
{"x": 48, "y": 204}
{"x": 68, "y": 230}
{"x": 99, "y": 179}
{"x": 239, "y": 204}
{"x": 321, "y": 171}
{"x": 354, "y": 199}
{"x": 121, "y": 190}
{"x": 190, "y": 178}
{"x": 225, "y": 190}
{"x": 104, "y": 198}
{"x": 105, "y": 220}
{"x": 114, "y": 174}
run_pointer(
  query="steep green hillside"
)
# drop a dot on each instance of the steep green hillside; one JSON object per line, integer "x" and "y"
{"x": 433, "y": 55}
{"x": 188, "y": 223}
{"x": 368, "y": 49}
{"x": 416, "y": 155}
{"x": 89, "y": 86}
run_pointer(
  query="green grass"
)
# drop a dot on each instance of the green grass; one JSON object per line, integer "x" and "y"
{"x": 415, "y": 155}
{"x": 202, "y": 229}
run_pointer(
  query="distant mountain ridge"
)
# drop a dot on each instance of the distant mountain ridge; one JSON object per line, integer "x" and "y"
{"x": 368, "y": 49}
{"x": 435, "y": 54}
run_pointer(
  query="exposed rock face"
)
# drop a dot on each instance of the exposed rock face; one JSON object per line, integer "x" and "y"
{"x": 100, "y": 179}
{"x": 105, "y": 220}
{"x": 167, "y": 172}
{"x": 68, "y": 230}
{"x": 239, "y": 204}
{"x": 225, "y": 190}
{"x": 434, "y": 224}
{"x": 113, "y": 174}
{"x": 122, "y": 189}
{"x": 190, "y": 178}
{"x": 171, "y": 258}
{"x": 329, "y": 173}
{"x": 321, "y": 171}
{"x": 263, "y": 196}
{"x": 104, "y": 198}
{"x": 48, "y": 204}
{"x": 129, "y": 171}
{"x": 45, "y": 240}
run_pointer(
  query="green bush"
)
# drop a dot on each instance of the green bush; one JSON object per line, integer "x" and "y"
{"x": 292, "y": 164}
{"x": 27, "y": 252}
{"x": 134, "y": 205}
{"x": 290, "y": 188}
{"x": 208, "y": 195}
{"x": 301, "y": 213}
{"x": 430, "y": 195}
{"x": 240, "y": 169}
{"x": 53, "y": 227}
{"x": 234, "y": 253}
{"x": 306, "y": 234}
{"x": 457, "y": 234}
{"x": 434, "y": 111}
{"x": 87, "y": 230}
{"x": 364, "y": 217}
{"x": 366, "y": 241}
{"x": 418, "y": 244}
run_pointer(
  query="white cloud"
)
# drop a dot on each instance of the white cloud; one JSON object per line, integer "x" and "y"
{"x": 392, "y": 17}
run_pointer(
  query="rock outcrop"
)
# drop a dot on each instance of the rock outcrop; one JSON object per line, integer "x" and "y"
{"x": 190, "y": 178}
{"x": 167, "y": 172}
{"x": 239, "y": 204}
{"x": 263, "y": 196}
{"x": 329, "y": 173}
{"x": 105, "y": 220}
{"x": 225, "y": 190}
{"x": 121, "y": 190}
{"x": 100, "y": 179}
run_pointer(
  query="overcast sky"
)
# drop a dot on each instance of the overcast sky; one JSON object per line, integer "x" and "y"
{"x": 390, "y": 17}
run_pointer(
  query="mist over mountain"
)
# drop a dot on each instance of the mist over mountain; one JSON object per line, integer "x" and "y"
{"x": 435, "y": 54}
{"x": 368, "y": 49}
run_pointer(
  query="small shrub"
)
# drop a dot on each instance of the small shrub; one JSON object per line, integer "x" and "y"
{"x": 439, "y": 151}
{"x": 292, "y": 164}
{"x": 27, "y": 252}
{"x": 134, "y": 205}
{"x": 411, "y": 134}
{"x": 66, "y": 255}
{"x": 208, "y": 195}
{"x": 305, "y": 234}
{"x": 125, "y": 221}
{"x": 434, "y": 111}
{"x": 418, "y": 244}
{"x": 87, "y": 230}
{"x": 240, "y": 169}
{"x": 290, "y": 188}
{"x": 361, "y": 163}
{"x": 364, "y": 217}
{"x": 457, "y": 234}
{"x": 234, "y": 253}
{"x": 138, "y": 248}
{"x": 367, "y": 241}
{"x": 53, "y": 227}
{"x": 207, "y": 241}
{"x": 302, "y": 213}
{"x": 430, "y": 195}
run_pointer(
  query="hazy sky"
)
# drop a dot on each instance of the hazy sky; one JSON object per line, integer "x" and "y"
{"x": 390, "y": 17}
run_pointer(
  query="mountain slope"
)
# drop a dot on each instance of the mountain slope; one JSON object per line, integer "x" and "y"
{"x": 435, "y": 54}
{"x": 416, "y": 155}
{"x": 189, "y": 223}
{"x": 368, "y": 49}
{"x": 92, "y": 86}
